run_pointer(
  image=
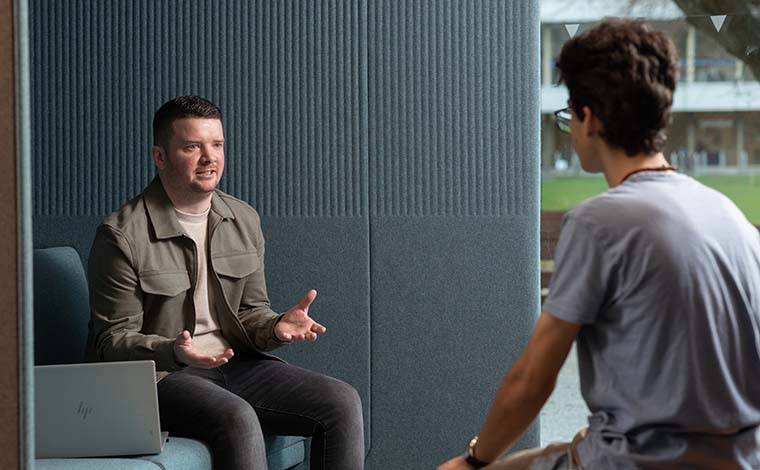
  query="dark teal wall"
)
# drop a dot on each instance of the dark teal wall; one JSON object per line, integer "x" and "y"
{"x": 390, "y": 146}
{"x": 290, "y": 77}
{"x": 453, "y": 181}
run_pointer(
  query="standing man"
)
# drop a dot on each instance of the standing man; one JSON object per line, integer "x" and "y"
{"x": 176, "y": 275}
{"x": 658, "y": 280}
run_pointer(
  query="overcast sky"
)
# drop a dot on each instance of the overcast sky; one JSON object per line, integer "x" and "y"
{"x": 585, "y": 11}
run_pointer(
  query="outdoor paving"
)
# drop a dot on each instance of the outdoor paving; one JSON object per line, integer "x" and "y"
{"x": 565, "y": 412}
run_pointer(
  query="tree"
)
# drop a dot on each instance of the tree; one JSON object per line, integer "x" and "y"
{"x": 740, "y": 35}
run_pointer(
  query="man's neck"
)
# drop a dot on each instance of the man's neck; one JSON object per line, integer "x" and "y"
{"x": 190, "y": 203}
{"x": 617, "y": 165}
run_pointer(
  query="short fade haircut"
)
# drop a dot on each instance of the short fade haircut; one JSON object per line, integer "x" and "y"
{"x": 179, "y": 108}
{"x": 627, "y": 75}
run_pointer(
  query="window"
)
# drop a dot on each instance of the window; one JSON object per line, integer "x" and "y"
{"x": 714, "y": 135}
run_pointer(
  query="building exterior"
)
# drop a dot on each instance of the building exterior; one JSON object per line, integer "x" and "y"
{"x": 715, "y": 130}
{"x": 716, "y": 110}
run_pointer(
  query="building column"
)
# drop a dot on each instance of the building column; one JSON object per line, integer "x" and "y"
{"x": 546, "y": 63}
{"x": 549, "y": 144}
{"x": 741, "y": 153}
{"x": 691, "y": 46}
{"x": 738, "y": 70}
{"x": 691, "y": 144}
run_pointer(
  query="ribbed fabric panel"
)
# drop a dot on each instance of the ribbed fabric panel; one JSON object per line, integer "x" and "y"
{"x": 287, "y": 74}
{"x": 447, "y": 119}
{"x": 415, "y": 121}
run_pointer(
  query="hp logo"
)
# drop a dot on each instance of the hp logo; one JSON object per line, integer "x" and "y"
{"x": 84, "y": 410}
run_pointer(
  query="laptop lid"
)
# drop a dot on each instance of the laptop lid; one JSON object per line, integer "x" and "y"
{"x": 96, "y": 410}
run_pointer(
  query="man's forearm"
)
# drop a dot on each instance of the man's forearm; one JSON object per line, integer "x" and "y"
{"x": 526, "y": 387}
{"x": 130, "y": 346}
{"x": 259, "y": 323}
{"x": 517, "y": 403}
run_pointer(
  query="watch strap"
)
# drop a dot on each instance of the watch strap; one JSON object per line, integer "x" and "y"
{"x": 474, "y": 462}
{"x": 470, "y": 458}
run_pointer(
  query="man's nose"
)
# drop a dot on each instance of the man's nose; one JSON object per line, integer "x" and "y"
{"x": 208, "y": 156}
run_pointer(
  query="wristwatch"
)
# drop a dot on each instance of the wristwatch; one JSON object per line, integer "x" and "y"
{"x": 470, "y": 458}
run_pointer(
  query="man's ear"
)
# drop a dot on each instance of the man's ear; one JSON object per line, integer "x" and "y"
{"x": 159, "y": 157}
{"x": 591, "y": 124}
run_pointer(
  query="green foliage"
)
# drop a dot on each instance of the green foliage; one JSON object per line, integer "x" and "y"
{"x": 561, "y": 194}
{"x": 744, "y": 190}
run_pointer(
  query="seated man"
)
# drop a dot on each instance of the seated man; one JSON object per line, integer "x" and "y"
{"x": 658, "y": 280}
{"x": 177, "y": 276}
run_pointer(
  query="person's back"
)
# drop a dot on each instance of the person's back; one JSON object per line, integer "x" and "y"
{"x": 666, "y": 356}
{"x": 658, "y": 281}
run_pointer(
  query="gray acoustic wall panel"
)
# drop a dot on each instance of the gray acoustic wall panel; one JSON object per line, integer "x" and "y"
{"x": 290, "y": 79}
{"x": 391, "y": 147}
{"x": 287, "y": 75}
{"x": 454, "y": 193}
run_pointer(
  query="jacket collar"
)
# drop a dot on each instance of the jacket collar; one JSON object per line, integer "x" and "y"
{"x": 162, "y": 215}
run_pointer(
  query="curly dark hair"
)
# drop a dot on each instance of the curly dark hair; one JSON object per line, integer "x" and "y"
{"x": 627, "y": 75}
{"x": 179, "y": 108}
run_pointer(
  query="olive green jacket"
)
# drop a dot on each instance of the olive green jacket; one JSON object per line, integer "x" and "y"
{"x": 142, "y": 273}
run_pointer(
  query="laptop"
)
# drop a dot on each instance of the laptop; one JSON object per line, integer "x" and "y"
{"x": 97, "y": 410}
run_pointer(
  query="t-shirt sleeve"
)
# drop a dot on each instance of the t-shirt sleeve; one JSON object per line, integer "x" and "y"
{"x": 578, "y": 285}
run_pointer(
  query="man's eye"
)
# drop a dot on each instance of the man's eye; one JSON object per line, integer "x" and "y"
{"x": 219, "y": 146}
{"x": 192, "y": 147}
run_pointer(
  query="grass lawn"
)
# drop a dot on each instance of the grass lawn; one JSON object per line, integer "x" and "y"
{"x": 559, "y": 194}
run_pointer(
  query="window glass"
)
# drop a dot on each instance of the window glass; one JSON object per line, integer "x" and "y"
{"x": 714, "y": 135}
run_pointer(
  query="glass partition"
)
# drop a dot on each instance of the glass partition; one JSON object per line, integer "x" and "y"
{"x": 714, "y": 135}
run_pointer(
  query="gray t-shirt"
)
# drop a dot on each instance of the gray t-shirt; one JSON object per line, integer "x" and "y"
{"x": 664, "y": 275}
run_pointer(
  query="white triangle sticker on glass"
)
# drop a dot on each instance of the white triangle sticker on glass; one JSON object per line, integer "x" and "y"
{"x": 572, "y": 29}
{"x": 717, "y": 21}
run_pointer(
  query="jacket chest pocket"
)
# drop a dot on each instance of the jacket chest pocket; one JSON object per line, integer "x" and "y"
{"x": 233, "y": 270}
{"x": 165, "y": 301}
{"x": 165, "y": 283}
{"x": 236, "y": 265}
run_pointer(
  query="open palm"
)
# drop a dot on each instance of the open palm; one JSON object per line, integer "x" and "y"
{"x": 185, "y": 353}
{"x": 296, "y": 324}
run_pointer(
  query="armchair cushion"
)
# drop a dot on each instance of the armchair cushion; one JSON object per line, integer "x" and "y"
{"x": 61, "y": 315}
{"x": 61, "y": 306}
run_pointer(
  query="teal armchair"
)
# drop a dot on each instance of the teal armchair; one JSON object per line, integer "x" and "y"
{"x": 61, "y": 314}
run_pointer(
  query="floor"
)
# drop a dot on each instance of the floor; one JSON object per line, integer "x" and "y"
{"x": 565, "y": 412}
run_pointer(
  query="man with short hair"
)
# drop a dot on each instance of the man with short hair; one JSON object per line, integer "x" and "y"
{"x": 176, "y": 275}
{"x": 657, "y": 279}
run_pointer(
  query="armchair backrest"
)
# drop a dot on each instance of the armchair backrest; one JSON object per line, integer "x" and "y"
{"x": 61, "y": 306}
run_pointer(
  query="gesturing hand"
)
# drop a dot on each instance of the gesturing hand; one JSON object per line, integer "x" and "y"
{"x": 185, "y": 353}
{"x": 296, "y": 324}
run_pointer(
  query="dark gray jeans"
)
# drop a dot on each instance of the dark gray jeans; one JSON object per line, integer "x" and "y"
{"x": 231, "y": 406}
